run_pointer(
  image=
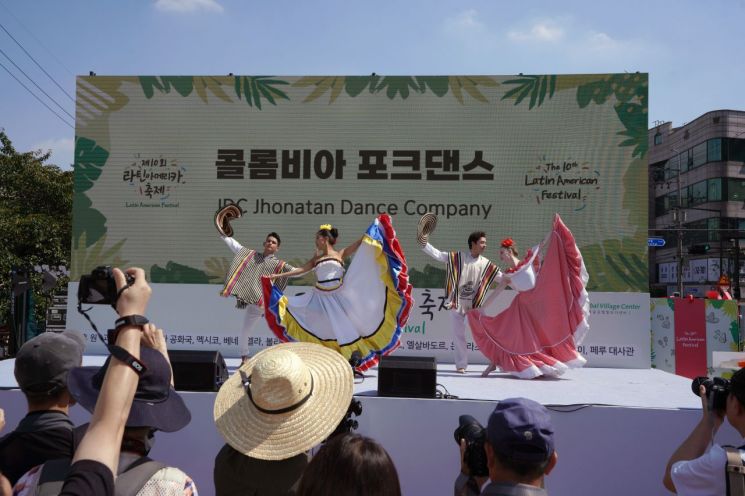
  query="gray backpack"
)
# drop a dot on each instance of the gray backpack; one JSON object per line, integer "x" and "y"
{"x": 128, "y": 483}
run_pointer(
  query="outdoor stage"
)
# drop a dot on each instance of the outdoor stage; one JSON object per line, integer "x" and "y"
{"x": 615, "y": 428}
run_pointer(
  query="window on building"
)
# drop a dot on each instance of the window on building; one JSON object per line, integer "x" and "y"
{"x": 659, "y": 206}
{"x": 658, "y": 138}
{"x": 713, "y": 224}
{"x": 735, "y": 189}
{"x": 671, "y": 201}
{"x": 698, "y": 155}
{"x": 714, "y": 150}
{"x": 684, "y": 160}
{"x": 700, "y": 235}
{"x": 671, "y": 169}
{"x": 714, "y": 187}
{"x": 698, "y": 193}
{"x": 736, "y": 149}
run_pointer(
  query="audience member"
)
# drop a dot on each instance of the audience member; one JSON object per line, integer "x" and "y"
{"x": 92, "y": 470}
{"x": 519, "y": 451}
{"x": 156, "y": 406}
{"x": 350, "y": 464}
{"x": 698, "y": 466}
{"x": 281, "y": 403}
{"x": 46, "y": 432}
{"x": 5, "y": 489}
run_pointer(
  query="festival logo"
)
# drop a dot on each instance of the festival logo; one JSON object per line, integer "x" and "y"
{"x": 154, "y": 180}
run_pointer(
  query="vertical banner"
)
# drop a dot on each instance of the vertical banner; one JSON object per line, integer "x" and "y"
{"x": 690, "y": 337}
{"x": 663, "y": 334}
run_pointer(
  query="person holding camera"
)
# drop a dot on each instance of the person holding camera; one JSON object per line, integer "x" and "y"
{"x": 698, "y": 466}
{"x": 517, "y": 449}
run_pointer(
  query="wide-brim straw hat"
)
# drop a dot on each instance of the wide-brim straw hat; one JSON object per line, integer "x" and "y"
{"x": 223, "y": 218}
{"x": 284, "y": 400}
{"x": 426, "y": 226}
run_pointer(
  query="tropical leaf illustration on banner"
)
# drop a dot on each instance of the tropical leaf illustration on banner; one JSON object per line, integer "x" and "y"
{"x": 734, "y": 330}
{"x": 630, "y": 91}
{"x": 84, "y": 260}
{"x": 89, "y": 160}
{"x": 618, "y": 265}
{"x": 186, "y": 85}
{"x": 538, "y": 87}
{"x": 395, "y": 86}
{"x": 256, "y": 88}
{"x": 183, "y": 85}
{"x": 470, "y": 85}
{"x": 217, "y": 268}
{"x": 178, "y": 273}
{"x": 430, "y": 277}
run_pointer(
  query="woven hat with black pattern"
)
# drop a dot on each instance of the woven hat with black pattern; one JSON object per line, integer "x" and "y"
{"x": 426, "y": 226}
{"x": 284, "y": 400}
{"x": 223, "y": 218}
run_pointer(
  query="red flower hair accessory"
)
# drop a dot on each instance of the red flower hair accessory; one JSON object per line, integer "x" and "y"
{"x": 507, "y": 243}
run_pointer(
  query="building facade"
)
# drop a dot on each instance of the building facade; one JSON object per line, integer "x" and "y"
{"x": 697, "y": 203}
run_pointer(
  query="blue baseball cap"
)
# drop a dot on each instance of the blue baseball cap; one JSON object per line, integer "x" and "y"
{"x": 520, "y": 429}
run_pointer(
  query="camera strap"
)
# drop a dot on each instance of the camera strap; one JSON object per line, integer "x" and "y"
{"x": 735, "y": 472}
{"x": 130, "y": 281}
{"x": 116, "y": 351}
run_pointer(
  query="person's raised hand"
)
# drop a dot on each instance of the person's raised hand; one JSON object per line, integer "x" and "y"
{"x": 713, "y": 418}
{"x": 153, "y": 337}
{"x": 134, "y": 299}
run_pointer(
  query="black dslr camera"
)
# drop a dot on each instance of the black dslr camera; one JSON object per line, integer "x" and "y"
{"x": 99, "y": 288}
{"x": 474, "y": 433}
{"x": 717, "y": 390}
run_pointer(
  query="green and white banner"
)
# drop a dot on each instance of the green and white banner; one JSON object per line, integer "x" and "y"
{"x": 155, "y": 157}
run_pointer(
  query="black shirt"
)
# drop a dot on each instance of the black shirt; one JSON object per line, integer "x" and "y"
{"x": 236, "y": 474}
{"x": 40, "y": 436}
{"x": 88, "y": 477}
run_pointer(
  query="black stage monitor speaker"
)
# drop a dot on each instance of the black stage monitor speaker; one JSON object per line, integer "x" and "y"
{"x": 407, "y": 376}
{"x": 198, "y": 370}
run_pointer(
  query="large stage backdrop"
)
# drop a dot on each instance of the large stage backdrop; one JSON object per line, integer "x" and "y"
{"x": 155, "y": 157}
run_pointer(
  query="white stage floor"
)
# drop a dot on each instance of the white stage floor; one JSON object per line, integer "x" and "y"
{"x": 629, "y": 388}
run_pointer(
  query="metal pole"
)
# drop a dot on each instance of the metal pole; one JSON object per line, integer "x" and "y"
{"x": 737, "y": 267}
{"x": 680, "y": 238}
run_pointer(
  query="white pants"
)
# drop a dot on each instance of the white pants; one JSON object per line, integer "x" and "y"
{"x": 458, "y": 322}
{"x": 254, "y": 313}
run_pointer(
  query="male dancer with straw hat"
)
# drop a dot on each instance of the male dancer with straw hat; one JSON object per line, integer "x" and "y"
{"x": 243, "y": 280}
{"x": 468, "y": 277}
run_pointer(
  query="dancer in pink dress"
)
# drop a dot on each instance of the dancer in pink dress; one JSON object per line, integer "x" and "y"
{"x": 538, "y": 333}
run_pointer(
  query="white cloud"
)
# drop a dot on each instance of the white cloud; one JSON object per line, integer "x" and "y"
{"x": 544, "y": 31}
{"x": 466, "y": 22}
{"x": 62, "y": 150}
{"x": 185, "y": 6}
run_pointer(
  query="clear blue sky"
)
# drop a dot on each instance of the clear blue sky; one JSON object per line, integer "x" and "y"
{"x": 695, "y": 59}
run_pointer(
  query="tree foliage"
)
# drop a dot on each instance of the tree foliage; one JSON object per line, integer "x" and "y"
{"x": 35, "y": 219}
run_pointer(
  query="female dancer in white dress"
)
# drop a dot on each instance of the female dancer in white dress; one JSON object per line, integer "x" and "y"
{"x": 361, "y": 309}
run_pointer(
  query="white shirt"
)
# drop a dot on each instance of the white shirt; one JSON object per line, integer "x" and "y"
{"x": 702, "y": 476}
{"x": 470, "y": 276}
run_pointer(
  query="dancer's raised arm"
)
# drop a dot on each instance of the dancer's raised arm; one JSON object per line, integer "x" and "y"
{"x": 349, "y": 250}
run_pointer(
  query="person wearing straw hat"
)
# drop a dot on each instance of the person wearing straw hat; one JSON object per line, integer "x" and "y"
{"x": 281, "y": 403}
{"x": 468, "y": 277}
{"x": 243, "y": 280}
